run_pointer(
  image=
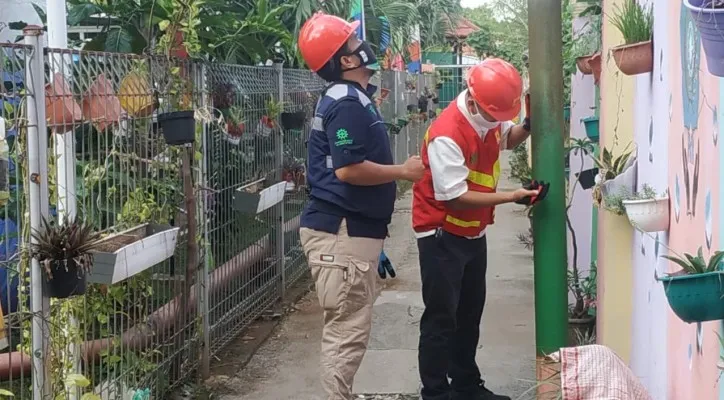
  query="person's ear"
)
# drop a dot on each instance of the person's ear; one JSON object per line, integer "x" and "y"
{"x": 347, "y": 62}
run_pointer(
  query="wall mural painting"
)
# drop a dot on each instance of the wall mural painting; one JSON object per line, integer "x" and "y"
{"x": 651, "y": 140}
{"x": 715, "y": 124}
{"x": 661, "y": 65}
{"x": 690, "y": 62}
{"x": 677, "y": 198}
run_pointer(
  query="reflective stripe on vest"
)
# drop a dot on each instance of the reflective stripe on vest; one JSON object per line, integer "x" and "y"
{"x": 461, "y": 223}
{"x": 483, "y": 179}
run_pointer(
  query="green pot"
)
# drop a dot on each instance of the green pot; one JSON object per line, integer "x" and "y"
{"x": 567, "y": 113}
{"x": 696, "y": 298}
{"x": 592, "y": 131}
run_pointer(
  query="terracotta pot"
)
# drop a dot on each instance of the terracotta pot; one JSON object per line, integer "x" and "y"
{"x": 634, "y": 59}
{"x": 595, "y": 63}
{"x": 135, "y": 95}
{"x": 61, "y": 109}
{"x": 100, "y": 104}
{"x": 583, "y": 66}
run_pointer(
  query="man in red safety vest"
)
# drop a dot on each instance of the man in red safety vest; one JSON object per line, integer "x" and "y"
{"x": 452, "y": 205}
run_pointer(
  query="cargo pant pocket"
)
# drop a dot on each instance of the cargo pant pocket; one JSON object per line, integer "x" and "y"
{"x": 362, "y": 287}
{"x": 333, "y": 283}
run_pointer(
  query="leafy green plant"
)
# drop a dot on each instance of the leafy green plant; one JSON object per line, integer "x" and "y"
{"x": 584, "y": 291}
{"x": 614, "y": 202}
{"x": 58, "y": 244}
{"x": 609, "y": 166}
{"x": 692, "y": 265}
{"x": 635, "y": 21}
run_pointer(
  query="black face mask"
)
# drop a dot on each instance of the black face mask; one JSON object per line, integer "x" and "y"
{"x": 366, "y": 55}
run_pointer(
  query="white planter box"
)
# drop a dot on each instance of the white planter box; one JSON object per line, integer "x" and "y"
{"x": 133, "y": 251}
{"x": 650, "y": 215}
{"x": 254, "y": 203}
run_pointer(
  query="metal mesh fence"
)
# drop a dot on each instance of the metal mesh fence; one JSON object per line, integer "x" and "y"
{"x": 164, "y": 294}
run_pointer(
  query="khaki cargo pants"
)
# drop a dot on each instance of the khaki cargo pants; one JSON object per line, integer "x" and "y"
{"x": 344, "y": 270}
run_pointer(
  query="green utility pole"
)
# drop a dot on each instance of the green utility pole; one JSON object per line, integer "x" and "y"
{"x": 549, "y": 217}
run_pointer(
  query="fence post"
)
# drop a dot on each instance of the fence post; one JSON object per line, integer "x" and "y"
{"x": 279, "y": 151}
{"x": 202, "y": 273}
{"x": 37, "y": 181}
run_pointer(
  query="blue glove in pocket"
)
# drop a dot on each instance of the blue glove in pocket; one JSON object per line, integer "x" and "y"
{"x": 385, "y": 267}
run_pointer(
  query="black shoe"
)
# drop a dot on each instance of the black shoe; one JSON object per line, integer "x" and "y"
{"x": 486, "y": 394}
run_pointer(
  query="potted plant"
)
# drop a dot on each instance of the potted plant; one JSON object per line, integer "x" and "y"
{"x": 587, "y": 45}
{"x": 592, "y": 128}
{"x": 61, "y": 109}
{"x": 267, "y": 123}
{"x": 581, "y": 313}
{"x": 293, "y": 173}
{"x": 646, "y": 211}
{"x": 695, "y": 292}
{"x": 614, "y": 174}
{"x": 636, "y": 23}
{"x": 135, "y": 93}
{"x": 709, "y": 18}
{"x": 65, "y": 252}
{"x": 293, "y": 120}
{"x": 235, "y": 126}
{"x": 100, "y": 103}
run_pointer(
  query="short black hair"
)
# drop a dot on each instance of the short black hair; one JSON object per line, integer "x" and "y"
{"x": 332, "y": 70}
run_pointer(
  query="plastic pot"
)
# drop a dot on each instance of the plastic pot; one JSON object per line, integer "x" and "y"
{"x": 696, "y": 298}
{"x": 566, "y": 113}
{"x": 61, "y": 109}
{"x": 709, "y": 21}
{"x": 178, "y": 127}
{"x": 649, "y": 215}
{"x": 583, "y": 65}
{"x": 294, "y": 120}
{"x": 595, "y": 63}
{"x": 101, "y": 105}
{"x": 135, "y": 95}
{"x": 66, "y": 282}
{"x": 634, "y": 59}
{"x": 592, "y": 130}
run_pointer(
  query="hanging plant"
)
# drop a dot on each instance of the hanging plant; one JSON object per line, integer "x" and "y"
{"x": 709, "y": 18}
{"x": 235, "y": 126}
{"x": 636, "y": 23}
{"x": 695, "y": 292}
{"x": 65, "y": 251}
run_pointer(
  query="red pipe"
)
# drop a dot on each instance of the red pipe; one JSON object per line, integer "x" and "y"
{"x": 163, "y": 319}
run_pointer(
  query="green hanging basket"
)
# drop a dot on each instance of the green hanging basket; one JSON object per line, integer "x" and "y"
{"x": 567, "y": 113}
{"x": 696, "y": 298}
{"x": 591, "y": 124}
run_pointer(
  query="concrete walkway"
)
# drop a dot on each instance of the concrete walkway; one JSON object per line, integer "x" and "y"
{"x": 286, "y": 366}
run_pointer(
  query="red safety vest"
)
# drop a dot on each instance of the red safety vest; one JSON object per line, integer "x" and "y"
{"x": 481, "y": 157}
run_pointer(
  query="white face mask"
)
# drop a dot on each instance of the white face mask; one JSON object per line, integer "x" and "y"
{"x": 482, "y": 123}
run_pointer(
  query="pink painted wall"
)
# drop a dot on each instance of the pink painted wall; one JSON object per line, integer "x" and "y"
{"x": 693, "y": 348}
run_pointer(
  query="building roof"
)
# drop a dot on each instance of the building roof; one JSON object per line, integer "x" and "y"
{"x": 463, "y": 29}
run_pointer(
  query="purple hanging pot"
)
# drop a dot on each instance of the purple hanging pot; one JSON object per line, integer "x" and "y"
{"x": 710, "y": 22}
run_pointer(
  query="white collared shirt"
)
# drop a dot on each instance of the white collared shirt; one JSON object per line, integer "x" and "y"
{"x": 447, "y": 162}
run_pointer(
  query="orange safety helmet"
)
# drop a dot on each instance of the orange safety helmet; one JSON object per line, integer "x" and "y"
{"x": 322, "y": 36}
{"x": 496, "y": 86}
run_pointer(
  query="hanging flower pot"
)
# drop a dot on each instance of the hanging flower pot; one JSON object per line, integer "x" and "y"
{"x": 67, "y": 280}
{"x": 595, "y": 63}
{"x": 566, "y": 113}
{"x": 709, "y": 18}
{"x": 648, "y": 215}
{"x": 177, "y": 127}
{"x": 234, "y": 131}
{"x": 293, "y": 120}
{"x": 634, "y": 59}
{"x": 696, "y": 297}
{"x": 61, "y": 109}
{"x": 135, "y": 95}
{"x": 583, "y": 64}
{"x": 592, "y": 128}
{"x": 265, "y": 126}
{"x": 100, "y": 104}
